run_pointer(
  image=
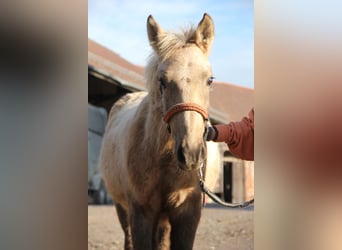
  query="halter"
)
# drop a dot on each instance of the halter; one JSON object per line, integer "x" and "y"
{"x": 180, "y": 107}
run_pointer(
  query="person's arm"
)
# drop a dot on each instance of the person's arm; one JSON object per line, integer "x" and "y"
{"x": 239, "y": 136}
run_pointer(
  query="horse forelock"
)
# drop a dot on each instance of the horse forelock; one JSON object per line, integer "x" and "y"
{"x": 170, "y": 41}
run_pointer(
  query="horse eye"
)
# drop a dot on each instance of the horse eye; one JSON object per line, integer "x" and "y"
{"x": 210, "y": 80}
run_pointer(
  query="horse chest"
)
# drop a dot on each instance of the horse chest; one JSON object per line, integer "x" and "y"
{"x": 178, "y": 197}
{"x": 177, "y": 186}
{"x": 164, "y": 184}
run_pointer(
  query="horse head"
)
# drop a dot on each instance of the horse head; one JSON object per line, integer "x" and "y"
{"x": 182, "y": 78}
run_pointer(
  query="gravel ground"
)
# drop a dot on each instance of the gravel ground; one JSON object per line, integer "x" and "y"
{"x": 219, "y": 229}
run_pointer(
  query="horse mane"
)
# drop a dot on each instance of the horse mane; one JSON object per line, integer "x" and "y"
{"x": 167, "y": 44}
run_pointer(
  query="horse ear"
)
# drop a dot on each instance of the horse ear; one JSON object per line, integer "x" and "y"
{"x": 205, "y": 33}
{"x": 153, "y": 31}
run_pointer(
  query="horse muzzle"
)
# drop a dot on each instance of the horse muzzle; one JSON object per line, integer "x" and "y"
{"x": 190, "y": 158}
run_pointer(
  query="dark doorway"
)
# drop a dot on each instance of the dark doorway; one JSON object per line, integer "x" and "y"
{"x": 227, "y": 181}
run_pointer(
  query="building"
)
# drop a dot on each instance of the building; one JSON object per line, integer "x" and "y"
{"x": 110, "y": 77}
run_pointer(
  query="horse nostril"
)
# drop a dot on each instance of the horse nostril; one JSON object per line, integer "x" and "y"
{"x": 180, "y": 155}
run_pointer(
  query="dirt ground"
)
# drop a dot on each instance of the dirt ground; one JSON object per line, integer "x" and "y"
{"x": 219, "y": 229}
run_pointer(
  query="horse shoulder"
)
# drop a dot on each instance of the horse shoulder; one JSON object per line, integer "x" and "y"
{"x": 113, "y": 158}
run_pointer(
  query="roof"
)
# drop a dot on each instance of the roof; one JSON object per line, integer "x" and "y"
{"x": 107, "y": 62}
{"x": 231, "y": 102}
{"x": 228, "y": 102}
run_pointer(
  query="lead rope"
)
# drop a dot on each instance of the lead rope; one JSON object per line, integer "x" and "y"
{"x": 215, "y": 197}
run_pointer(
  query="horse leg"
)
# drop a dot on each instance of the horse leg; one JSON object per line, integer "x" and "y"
{"x": 162, "y": 234}
{"x": 184, "y": 221}
{"x": 142, "y": 225}
{"x": 122, "y": 215}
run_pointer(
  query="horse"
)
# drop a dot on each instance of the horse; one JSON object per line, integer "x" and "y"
{"x": 154, "y": 143}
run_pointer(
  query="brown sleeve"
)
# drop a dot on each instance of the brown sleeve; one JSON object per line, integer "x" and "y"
{"x": 239, "y": 137}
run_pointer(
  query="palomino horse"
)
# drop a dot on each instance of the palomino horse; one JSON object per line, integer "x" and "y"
{"x": 154, "y": 142}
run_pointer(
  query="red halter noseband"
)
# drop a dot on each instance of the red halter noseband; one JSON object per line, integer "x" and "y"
{"x": 184, "y": 107}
